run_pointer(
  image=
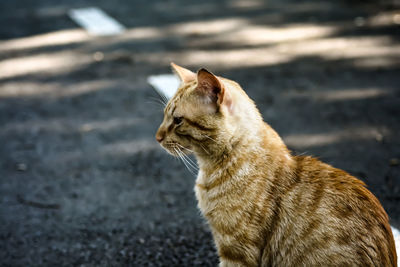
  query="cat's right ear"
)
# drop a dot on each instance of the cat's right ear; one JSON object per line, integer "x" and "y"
{"x": 184, "y": 74}
{"x": 213, "y": 89}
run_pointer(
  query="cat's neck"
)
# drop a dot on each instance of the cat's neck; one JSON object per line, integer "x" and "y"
{"x": 244, "y": 147}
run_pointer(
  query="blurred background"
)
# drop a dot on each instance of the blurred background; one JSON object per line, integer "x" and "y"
{"x": 83, "y": 181}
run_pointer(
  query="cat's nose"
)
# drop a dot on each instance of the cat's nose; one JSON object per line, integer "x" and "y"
{"x": 160, "y": 136}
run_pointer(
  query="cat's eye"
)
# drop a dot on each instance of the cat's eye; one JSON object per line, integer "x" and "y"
{"x": 178, "y": 120}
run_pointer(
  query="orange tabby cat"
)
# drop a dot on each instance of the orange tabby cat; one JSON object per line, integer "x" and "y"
{"x": 266, "y": 207}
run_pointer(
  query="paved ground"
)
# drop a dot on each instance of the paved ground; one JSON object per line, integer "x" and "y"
{"x": 82, "y": 181}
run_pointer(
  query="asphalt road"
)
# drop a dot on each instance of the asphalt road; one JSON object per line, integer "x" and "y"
{"x": 82, "y": 180}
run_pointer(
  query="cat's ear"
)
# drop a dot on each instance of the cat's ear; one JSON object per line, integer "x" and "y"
{"x": 184, "y": 74}
{"x": 213, "y": 89}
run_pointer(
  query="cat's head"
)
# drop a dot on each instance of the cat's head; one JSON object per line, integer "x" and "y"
{"x": 203, "y": 116}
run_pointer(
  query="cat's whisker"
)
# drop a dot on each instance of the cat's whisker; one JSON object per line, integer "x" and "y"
{"x": 189, "y": 160}
{"x": 177, "y": 147}
{"x": 212, "y": 139}
{"x": 162, "y": 100}
{"x": 184, "y": 161}
{"x": 158, "y": 105}
{"x": 158, "y": 101}
{"x": 185, "y": 148}
{"x": 205, "y": 150}
{"x": 163, "y": 97}
{"x": 303, "y": 153}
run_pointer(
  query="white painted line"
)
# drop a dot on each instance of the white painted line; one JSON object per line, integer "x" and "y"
{"x": 396, "y": 235}
{"x": 96, "y": 21}
{"x": 165, "y": 84}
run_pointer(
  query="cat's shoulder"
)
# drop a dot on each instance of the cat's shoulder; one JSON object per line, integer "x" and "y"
{"x": 313, "y": 170}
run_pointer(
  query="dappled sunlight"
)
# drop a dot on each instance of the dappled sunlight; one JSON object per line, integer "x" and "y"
{"x": 139, "y": 33}
{"x": 385, "y": 18}
{"x": 245, "y": 45}
{"x": 48, "y": 63}
{"x": 78, "y": 126}
{"x": 355, "y": 48}
{"x": 302, "y": 141}
{"x": 248, "y": 45}
{"x": 341, "y": 94}
{"x": 350, "y": 47}
{"x": 128, "y": 147}
{"x": 52, "y": 89}
{"x": 310, "y": 140}
{"x": 85, "y": 87}
{"x": 107, "y": 125}
{"x": 223, "y": 30}
{"x": 265, "y": 35}
{"x": 200, "y": 28}
{"x": 247, "y": 4}
{"x": 19, "y": 89}
{"x": 377, "y": 61}
{"x": 209, "y": 27}
{"x": 63, "y": 37}
{"x": 229, "y": 58}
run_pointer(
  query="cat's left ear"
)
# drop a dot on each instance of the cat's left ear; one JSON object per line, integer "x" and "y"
{"x": 184, "y": 74}
{"x": 213, "y": 89}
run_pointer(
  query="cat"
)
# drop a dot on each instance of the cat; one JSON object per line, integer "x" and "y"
{"x": 264, "y": 206}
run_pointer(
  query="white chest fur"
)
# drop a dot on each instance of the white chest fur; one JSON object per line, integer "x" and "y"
{"x": 201, "y": 193}
{"x": 211, "y": 197}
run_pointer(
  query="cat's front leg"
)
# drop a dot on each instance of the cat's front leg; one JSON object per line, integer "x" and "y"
{"x": 235, "y": 253}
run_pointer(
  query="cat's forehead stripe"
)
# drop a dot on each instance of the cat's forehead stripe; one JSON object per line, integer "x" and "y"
{"x": 170, "y": 109}
{"x": 185, "y": 87}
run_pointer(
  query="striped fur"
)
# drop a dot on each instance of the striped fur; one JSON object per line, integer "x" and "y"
{"x": 266, "y": 207}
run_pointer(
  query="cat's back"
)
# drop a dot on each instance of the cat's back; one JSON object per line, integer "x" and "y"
{"x": 330, "y": 219}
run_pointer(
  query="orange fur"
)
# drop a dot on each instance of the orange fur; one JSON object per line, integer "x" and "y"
{"x": 266, "y": 207}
